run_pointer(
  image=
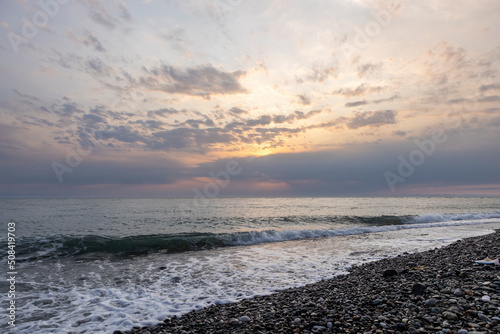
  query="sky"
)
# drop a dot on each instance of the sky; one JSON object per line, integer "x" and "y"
{"x": 209, "y": 98}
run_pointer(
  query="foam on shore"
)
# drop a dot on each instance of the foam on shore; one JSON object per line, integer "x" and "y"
{"x": 96, "y": 294}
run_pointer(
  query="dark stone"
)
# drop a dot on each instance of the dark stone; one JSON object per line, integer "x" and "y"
{"x": 389, "y": 273}
{"x": 450, "y": 315}
{"x": 233, "y": 322}
{"x": 415, "y": 324}
{"x": 430, "y": 302}
{"x": 483, "y": 317}
{"x": 471, "y": 313}
{"x": 412, "y": 330}
{"x": 436, "y": 310}
{"x": 417, "y": 289}
{"x": 400, "y": 327}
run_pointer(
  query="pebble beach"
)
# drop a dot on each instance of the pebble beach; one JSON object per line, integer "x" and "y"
{"x": 437, "y": 291}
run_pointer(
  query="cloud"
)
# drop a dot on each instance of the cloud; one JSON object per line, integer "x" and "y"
{"x": 345, "y": 171}
{"x": 31, "y": 120}
{"x": 122, "y": 133}
{"x": 359, "y": 169}
{"x": 491, "y": 110}
{"x": 195, "y": 123}
{"x": 304, "y": 99}
{"x": 392, "y": 98}
{"x": 91, "y": 40}
{"x": 147, "y": 130}
{"x": 493, "y": 86}
{"x": 355, "y": 104}
{"x": 123, "y": 12}
{"x": 37, "y": 170}
{"x": 372, "y": 119}
{"x": 97, "y": 66}
{"x": 164, "y": 112}
{"x": 108, "y": 18}
{"x": 197, "y": 140}
{"x": 102, "y": 18}
{"x": 67, "y": 109}
{"x": 198, "y": 135}
{"x": 262, "y": 120}
{"x": 458, "y": 100}
{"x": 66, "y": 60}
{"x": 368, "y": 68}
{"x": 63, "y": 140}
{"x": 495, "y": 121}
{"x": 360, "y": 119}
{"x": 25, "y": 96}
{"x": 94, "y": 66}
{"x": 237, "y": 111}
{"x": 349, "y": 170}
{"x": 99, "y": 14}
{"x": 493, "y": 98}
{"x": 278, "y": 119}
{"x": 319, "y": 74}
{"x": 359, "y": 90}
{"x": 440, "y": 66}
{"x": 235, "y": 126}
{"x": 296, "y": 115}
{"x": 449, "y": 54}
{"x": 92, "y": 119}
{"x": 365, "y": 102}
{"x": 198, "y": 81}
{"x": 176, "y": 38}
{"x": 150, "y": 124}
{"x": 301, "y": 115}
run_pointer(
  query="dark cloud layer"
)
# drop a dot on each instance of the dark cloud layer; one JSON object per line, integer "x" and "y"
{"x": 350, "y": 170}
{"x": 360, "y": 169}
{"x": 38, "y": 170}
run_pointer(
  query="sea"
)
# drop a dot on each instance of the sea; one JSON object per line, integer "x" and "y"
{"x": 100, "y": 265}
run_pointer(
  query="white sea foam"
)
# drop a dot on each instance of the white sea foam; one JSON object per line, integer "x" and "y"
{"x": 100, "y": 295}
{"x": 434, "y": 218}
{"x": 29, "y": 248}
{"x": 258, "y": 237}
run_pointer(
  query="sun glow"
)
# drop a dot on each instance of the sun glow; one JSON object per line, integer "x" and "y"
{"x": 259, "y": 152}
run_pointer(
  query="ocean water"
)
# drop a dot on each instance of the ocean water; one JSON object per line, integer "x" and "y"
{"x": 98, "y": 265}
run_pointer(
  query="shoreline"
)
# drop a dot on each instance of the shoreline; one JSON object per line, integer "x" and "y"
{"x": 440, "y": 290}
